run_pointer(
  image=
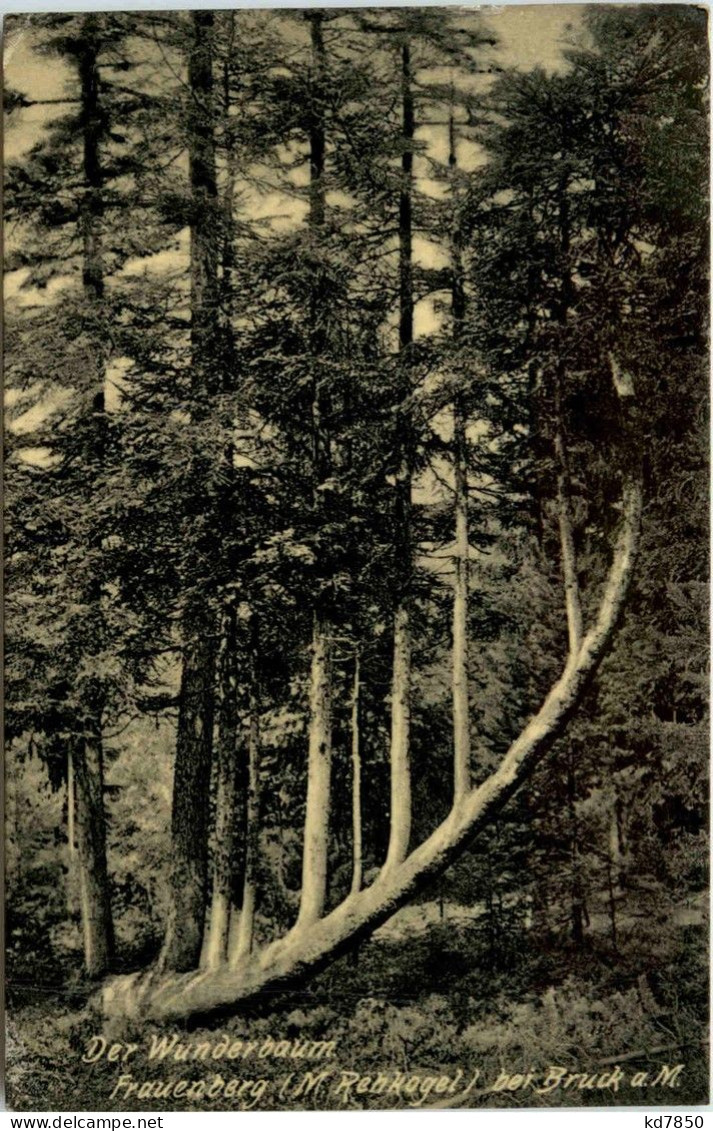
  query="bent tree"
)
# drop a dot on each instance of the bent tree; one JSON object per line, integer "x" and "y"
{"x": 293, "y": 325}
{"x": 358, "y": 364}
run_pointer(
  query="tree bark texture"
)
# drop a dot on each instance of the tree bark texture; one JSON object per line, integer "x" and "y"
{"x": 190, "y": 813}
{"x": 461, "y": 722}
{"x": 90, "y": 857}
{"x": 315, "y": 853}
{"x": 86, "y": 757}
{"x": 319, "y": 768}
{"x": 400, "y": 748}
{"x": 230, "y": 791}
{"x": 246, "y": 925}
{"x": 91, "y": 208}
{"x": 357, "y": 849}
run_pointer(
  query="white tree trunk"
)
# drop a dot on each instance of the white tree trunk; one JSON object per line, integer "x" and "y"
{"x": 215, "y": 948}
{"x": 569, "y": 565}
{"x": 400, "y": 748}
{"x": 316, "y": 832}
{"x": 246, "y": 923}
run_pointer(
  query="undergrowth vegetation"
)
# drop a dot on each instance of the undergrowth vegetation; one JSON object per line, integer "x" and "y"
{"x": 408, "y": 1009}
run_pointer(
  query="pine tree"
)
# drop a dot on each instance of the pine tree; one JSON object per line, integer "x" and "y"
{"x": 89, "y": 161}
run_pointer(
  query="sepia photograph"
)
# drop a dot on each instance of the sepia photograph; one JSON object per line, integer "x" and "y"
{"x": 356, "y": 559}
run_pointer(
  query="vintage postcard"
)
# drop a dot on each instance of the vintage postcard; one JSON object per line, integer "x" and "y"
{"x": 356, "y": 510}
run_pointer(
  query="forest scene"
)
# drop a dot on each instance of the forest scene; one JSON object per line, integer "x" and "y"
{"x": 356, "y": 553}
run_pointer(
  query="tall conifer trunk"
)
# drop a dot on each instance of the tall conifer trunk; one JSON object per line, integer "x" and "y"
{"x": 231, "y": 769}
{"x": 87, "y": 755}
{"x": 400, "y": 757}
{"x": 357, "y": 847}
{"x": 461, "y": 724}
{"x": 229, "y": 792}
{"x": 246, "y": 925}
{"x": 319, "y": 764}
{"x": 94, "y": 899}
{"x": 194, "y": 742}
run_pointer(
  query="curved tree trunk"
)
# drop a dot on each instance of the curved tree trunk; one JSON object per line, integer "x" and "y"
{"x": 315, "y": 852}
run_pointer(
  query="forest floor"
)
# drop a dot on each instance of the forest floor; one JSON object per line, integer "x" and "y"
{"x": 448, "y": 999}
